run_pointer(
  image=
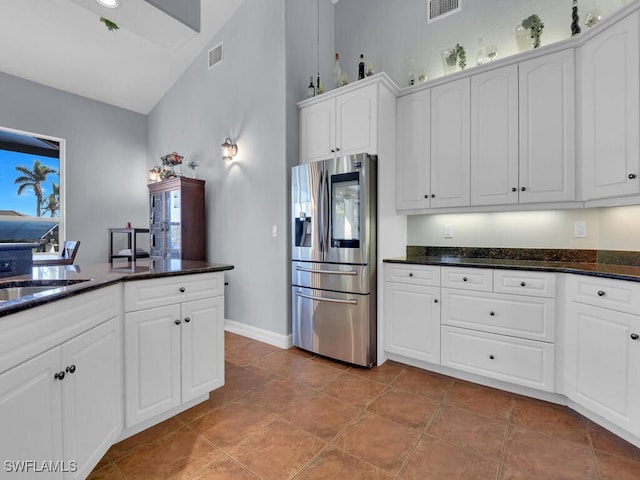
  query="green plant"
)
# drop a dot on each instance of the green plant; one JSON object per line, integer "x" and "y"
{"x": 462, "y": 56}
{"x": 109, "y": 24}
{"x": 535, "y": 26}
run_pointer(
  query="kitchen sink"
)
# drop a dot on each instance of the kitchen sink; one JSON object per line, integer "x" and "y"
{"x": 11, "y": 293}
{"x": 19, "y": 289}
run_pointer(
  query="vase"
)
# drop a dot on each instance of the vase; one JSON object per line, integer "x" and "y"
{"x": 449, "y": 60}
{"x": 523, "y": 38}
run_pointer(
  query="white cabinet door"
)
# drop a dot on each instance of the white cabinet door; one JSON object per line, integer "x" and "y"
{"x": 602, "y": 361}
{"x": 202, "y": 334}
{"x": 412, "y": 321}
{"x": 494, "y": 137}
{"x": 450, "y": 144}
{"x": 152, "y": 362}
{"x": 547, "y": 128}
{"x": 356, "y": 120}
{"x": 31, "y": 416}
{"x": 611, "y": 111}
{"x": 413, "y": 176}
{"x": 318, "y": 131}
{"x": 92, "y": 395}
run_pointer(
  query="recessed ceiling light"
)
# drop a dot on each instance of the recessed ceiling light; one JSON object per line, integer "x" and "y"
{"x": 109, "y": 3}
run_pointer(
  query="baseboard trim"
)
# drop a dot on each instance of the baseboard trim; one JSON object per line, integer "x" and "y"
{"x": 259, "y": 334}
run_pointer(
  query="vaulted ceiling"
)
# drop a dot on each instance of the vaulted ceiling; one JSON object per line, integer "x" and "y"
{"x": 63, "y": 44}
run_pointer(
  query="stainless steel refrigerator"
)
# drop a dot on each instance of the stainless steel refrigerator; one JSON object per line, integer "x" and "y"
{"x": 333, "y": 253}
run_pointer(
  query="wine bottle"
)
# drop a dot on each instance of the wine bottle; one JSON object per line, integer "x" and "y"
{"x": 337, "y": 73}
{"x": 361, "y": 67}
{"x": 311, "y": 92}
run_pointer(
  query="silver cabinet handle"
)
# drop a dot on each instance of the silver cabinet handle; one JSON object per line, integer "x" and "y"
{"x": 331, "y": 272}
{"x": 332, "y": 300}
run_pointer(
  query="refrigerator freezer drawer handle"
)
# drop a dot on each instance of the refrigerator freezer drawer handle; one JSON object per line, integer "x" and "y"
{"x": 332, "y": 300}
{"x": 331, "y": 272}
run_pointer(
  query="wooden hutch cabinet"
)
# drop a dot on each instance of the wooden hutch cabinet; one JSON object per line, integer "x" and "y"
{"x": 177, "y": 219}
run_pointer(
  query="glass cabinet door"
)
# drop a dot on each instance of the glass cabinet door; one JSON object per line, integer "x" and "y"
{"x": 173, "y": 227}
{"x": 157, "y": 225}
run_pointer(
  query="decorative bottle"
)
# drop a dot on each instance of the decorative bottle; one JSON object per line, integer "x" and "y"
{"x": 337, "y": 73}
{"x": 311, "y": 92}
{"x": 361, "y": 67}
{"x": 575, "y": 20}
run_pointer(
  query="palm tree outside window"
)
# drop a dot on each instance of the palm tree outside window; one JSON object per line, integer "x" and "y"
{"x": 31, "y": 183}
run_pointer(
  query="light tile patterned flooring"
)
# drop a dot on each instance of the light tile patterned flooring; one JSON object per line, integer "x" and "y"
{"x": 291, "y": 415}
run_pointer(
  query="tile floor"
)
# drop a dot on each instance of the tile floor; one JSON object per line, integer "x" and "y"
{"x": 291, "y": 415}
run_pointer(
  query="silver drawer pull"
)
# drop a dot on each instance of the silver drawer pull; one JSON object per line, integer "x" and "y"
{"x": 331, "y": 272}
{"x": 332, "y": 300}
{"x": 601, "y": 293}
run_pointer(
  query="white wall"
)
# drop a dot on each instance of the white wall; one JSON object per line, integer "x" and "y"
{"x": 106, "y": 173}
{"x": 393, "y": 34}
{"x": 243, "y": 98}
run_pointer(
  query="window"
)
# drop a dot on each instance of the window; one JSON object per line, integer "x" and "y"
{"x": 31, "y": 188}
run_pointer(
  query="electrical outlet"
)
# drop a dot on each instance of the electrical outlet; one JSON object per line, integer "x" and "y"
{"x": 580, "y": 229}
{"x": 274, "y": 231}
{"x": 448, "y": 230}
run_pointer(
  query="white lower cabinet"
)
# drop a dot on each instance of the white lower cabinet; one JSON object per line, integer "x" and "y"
{"x": 472, "y": 320}
{"x": 602, "y": 349}
{"x": 173, "y": 353}
{"x": 412, "y": 306}
{"x": 510, "y": 359}
{"x": 500, "y": 335}
{"x": 63, "y": 408}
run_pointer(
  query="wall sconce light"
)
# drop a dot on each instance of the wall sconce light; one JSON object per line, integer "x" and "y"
{"x": 155, "y": 174}
{"x": 229, "y": 150}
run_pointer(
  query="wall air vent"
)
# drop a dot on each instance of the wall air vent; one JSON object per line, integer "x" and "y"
{"x": 216, "y": 55}
{"x": 437, "y": 9}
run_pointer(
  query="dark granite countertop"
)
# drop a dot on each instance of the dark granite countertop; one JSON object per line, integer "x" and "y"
{"x": 620, "y": 265}
{"x": 66, "y": 281}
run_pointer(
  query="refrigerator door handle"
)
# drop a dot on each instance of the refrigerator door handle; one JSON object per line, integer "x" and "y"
{"x": 331, "y": 300}
{"x": 331, "y": 272}
{"x": 326, "y": 201}
{"x": 320, "y": 221}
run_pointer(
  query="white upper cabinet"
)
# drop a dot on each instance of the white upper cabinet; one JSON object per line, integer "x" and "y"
{"x": 611, "y": 111}
{"x": 450, "y": 144}
{"x": 523, "y": 132}
{"x": 356, "y": 121}
{"x": 494, "y": 137}
{"x": 340, "y": 125}
{"x": 547, "y": 129}
{"x": 413, "y": 176}
{"x": 318, "y": 131}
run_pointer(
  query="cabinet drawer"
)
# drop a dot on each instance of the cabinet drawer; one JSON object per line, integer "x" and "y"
{"x": 536, "y": 284}
{"x": 158, "y": 292}
{"x": 414, "y": 274}
{"x": 468, "y": 278}
{"x": 518, "y": 316}
{"x": 514, "y": 360}
{"x": 620, "y": 295}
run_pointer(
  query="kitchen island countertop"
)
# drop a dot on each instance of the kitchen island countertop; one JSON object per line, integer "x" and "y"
{"x": 86, "y": 278}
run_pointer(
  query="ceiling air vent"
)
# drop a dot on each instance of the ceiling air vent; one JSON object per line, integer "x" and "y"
{"x": 216, "y": 55}
{"x": 437, "y": 9}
